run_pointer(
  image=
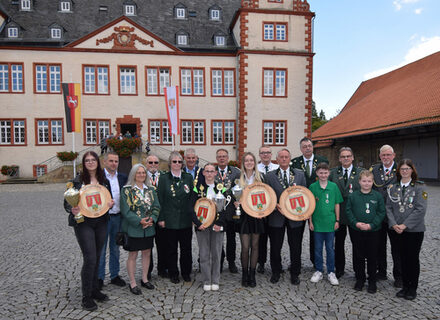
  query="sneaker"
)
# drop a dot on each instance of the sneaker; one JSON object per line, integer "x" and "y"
{"x": 215, "y": 287}
{"x": 316, "y": 276}
{"x": 332, "y": 278}
{"x": 207, "y": 287}
{"x": 118, "y": 281}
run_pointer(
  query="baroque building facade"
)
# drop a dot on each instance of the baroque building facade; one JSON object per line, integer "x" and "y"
{"x": 244, "y": 71}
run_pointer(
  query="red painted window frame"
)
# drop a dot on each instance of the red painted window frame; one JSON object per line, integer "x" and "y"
{"x": 223, "y": 83}
{"x": 47, "y": 64}
{"x": 192, "y": 81}
{"x": 37, "y": 143}
{"x": 96, "y": 66}
{"x": 275, "y": 23}
{"x": 161, "y": 130}
{"x": 119, "y": 80}
{"x": 158, "y": 79}
{"x": 10, "y": 78}
{"x": 223, "y": 132}
{"x": 12, "y": 144}
{"x": 192, "y": 132}
{"x": 273, "y": 137}
{"x": 97, "y": 130}
{"x": 274, "y": 83}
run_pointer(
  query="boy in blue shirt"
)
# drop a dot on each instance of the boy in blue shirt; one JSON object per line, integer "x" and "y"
{"x": 324, "y": 221}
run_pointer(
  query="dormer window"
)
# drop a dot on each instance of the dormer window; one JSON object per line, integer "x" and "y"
{"x": 180, "y": 12}
{"x": 215, "y": 14}
{"x": 12, "y": 32}
{"x": 25, "y": 5}
{"x": 55, "y": 33}
{"x": 220, "y": 40}
{"x": 65, "y": 6}
{"x": 182, "y": 39}
{"x": 130, "y": 9}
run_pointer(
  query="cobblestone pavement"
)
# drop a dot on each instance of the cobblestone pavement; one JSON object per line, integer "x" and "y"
{"x": 41, "y": 261}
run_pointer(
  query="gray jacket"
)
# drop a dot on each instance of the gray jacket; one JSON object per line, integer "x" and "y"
{"x": 276, "y": 219}
{"x": 409, "y": 208}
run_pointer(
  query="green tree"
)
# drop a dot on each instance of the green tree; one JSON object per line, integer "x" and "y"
{"x": 317, "y": 119}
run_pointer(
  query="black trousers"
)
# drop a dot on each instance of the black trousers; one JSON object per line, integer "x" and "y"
{"x": 182, "y": 238}
{"x": 262, "y": 245}
{"x": 340, "y": 236}
{"x": 231, "y": 244}
{"x": 90, "y": 235}
{"x": 364, "y": 248}
{"x": 408, "y": 245}
{"x": 294, "y": 238}
{"x": 382, "y": 253}
{"x": 161, "y": 249}
{"x": 312, "y": 246}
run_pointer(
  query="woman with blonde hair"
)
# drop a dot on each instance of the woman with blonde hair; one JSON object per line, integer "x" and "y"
{"x": 140, "y": 210}
{"x": 250, "y": 228}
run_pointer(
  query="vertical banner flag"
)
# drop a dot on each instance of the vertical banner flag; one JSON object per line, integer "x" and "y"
{"x": 172, "y": 104}
{"x": 72, "y": 106}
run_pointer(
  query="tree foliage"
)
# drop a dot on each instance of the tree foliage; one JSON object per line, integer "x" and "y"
{"x": 317, "y": 119}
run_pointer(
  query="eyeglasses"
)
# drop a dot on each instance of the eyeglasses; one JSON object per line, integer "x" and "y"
{"x": 265, "y": 152}
{"x": 210, "y": 171}
{"x": 153, "y": 162}
{"x": 405, "y": 169}
{"x": 90, "y": 160}
{"x": 176, "y": 161}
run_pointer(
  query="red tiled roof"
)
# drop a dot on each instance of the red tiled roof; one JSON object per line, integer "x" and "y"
{"x": 406, "y": 97}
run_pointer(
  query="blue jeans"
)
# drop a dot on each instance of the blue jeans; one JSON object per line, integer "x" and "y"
{"x": 112, "y": 228}
{"x": 328, "y": 239}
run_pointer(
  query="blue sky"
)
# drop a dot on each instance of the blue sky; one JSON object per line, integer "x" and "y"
{"x": 356, "y": 40}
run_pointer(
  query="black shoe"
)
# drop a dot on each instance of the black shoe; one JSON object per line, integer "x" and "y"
{"x": 251, "y": 280}
{"x": 135, "y": 290}
{"x": 163, "y": 274}
{"x": 359, "y": 285}
{"x": 401, "y": 293}
{"x": 186, "y": 277}
{"x": 99, "y": 296}
{"x": 100, "y": 284}
{"x": 381, "y": 276}
{"x": 88, "y": 304}
{"x": 295, "y": 280}
{"x": 398, "y": 283}
{"x": 233, "y": 268}
{"x": 149, "y": 276}
{"x": 260, "y": 268}
{"x": 118, "y": 281}
{"x": 372, "y": 288}
{"x": 147, "y": 285}
{"x": 275, "y": 278}
{"x": 339, "y": 274}
{"x": 411, "y": 294}
{"x": 244, "y": 277}
{"x": 175, "y": 279}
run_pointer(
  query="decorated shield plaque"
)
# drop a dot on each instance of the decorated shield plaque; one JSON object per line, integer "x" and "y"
{"x": 258, "y": 200}
{"x": 297, "y": 203}
{"x": 94, "y": 200}
{"x": 205, "y": 211}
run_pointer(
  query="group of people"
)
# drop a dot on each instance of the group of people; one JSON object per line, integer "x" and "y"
{"x": 156, "y": 206}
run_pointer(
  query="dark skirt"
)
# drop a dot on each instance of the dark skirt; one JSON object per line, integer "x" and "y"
{"x": 250, "y": 224}
{"x": 136, "y": 244}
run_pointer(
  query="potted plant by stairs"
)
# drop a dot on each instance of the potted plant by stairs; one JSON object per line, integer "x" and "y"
{"x": 124, "y": 148}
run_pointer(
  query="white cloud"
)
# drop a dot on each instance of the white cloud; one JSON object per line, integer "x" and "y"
{"x": 398, "y": 4}
{"x": 418, "y": 11}
{"x": 423, "y": 48}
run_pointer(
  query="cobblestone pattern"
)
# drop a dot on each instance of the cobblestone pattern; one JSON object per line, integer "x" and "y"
{"x": 40, "y": 264}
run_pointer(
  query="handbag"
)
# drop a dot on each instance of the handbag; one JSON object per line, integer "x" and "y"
{"x": 121, "y": 238}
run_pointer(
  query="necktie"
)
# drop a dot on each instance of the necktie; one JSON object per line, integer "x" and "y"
{"x": 308, "y": 168}
{"x": 153, "y": 176}
{"x": 176, "y": 179}
{"x": 285, "y": 178}
{"x": 222, "y": 172}
{"x": 345, "y": 176}
{"x": 387, "y": 171}
{"x": 266, "y": 168}
{"x": 403, "y": 190}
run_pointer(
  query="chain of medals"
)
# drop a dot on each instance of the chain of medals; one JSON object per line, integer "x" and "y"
{"x": 140, "y": 198}
{"x": 408, "y": 198}
{"x": 384, "y": 178}
{"x": 173, "y": 186}
{"x": 223, "y": 179}
{"x": 153, "y": 182}
{"x": 291, "y": 178}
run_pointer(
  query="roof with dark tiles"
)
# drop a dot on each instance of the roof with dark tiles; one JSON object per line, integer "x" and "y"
{"x": 157, "y": 16}
{"x": 403, "y": 98}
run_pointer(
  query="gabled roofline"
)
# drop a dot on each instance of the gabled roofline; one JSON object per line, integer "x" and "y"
{"x": 114, "y": 22}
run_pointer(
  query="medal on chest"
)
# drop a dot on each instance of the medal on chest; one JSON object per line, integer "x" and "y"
{"x": 326, "y": 200}
{"x": 350, "y": 188}
{"x": 367, "y": 208}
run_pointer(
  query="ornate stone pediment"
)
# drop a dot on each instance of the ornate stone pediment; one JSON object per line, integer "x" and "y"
{"x": 124, "y": 38}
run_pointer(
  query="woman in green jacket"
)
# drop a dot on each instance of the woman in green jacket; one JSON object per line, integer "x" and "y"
{"x": 140, "y": 210}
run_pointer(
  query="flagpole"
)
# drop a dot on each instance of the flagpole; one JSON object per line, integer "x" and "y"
{"x": 73, "y": 149}
{"x": 172, "y": 140}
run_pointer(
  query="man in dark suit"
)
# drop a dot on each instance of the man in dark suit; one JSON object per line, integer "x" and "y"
{"x": 346, "y": 177}
{"x": 117, "y": 181}
{"x": 153, "y": 174}
{"x": 191, "y": 167}
{"x": 385, "y": 174}
{"x": 227, "y": 175}
{"x": 307, "y": 163}
{"x": 280, "y": 179}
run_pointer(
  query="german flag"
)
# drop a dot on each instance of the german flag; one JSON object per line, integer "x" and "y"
{"x": 72, "y": 106}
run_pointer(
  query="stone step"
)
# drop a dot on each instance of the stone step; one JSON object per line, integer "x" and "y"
{"x": 21, "y": 181}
